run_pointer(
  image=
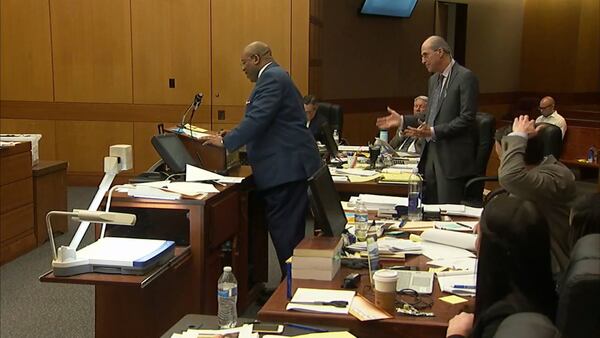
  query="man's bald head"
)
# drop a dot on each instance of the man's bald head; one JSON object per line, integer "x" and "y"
{"x": 435, "y": 54}
{"x": 546, "y": 106}
{"x": 255, "y": 56}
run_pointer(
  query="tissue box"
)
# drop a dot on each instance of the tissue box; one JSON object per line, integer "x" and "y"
{"x": 33, "y": 138}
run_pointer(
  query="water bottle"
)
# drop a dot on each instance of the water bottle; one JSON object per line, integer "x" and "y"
{"x": 415, "y": 208}
{"x": 592, "y": 155}
{"x": 383, "y": 135}
{"x": 336, "y": 136}
{"x": 227, "y": 299}
{"x": 361, "y": 220}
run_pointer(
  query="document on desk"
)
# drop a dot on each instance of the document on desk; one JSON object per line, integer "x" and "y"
{"x": 244, "y": 331}
{"x": 364, "y": 310}
{"x": 195, "y": 174}
{"x": 335, "y": 334}
{"x": 356, "y": 172}
{"x": 461, "y": 263}
{"x": 451, "y": 238}
{"x": 306, "y": 295}
{"x": 454, "y": 209}
{"x": 462, "y": 284}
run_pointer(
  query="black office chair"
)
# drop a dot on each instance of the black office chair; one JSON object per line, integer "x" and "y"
{"x": 547, "y": 142}
{"x": 484, "y": 138}
{"x": 578, "y": 313}
{"x": 527, "y": 325}
{"x": 333, "y": 114}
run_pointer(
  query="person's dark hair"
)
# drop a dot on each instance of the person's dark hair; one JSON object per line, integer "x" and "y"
{"x": 514, "y": 257}
{"x": 585, "y": 217}
{"x": 310, "y": 99}
{"x": 501, "y": 132}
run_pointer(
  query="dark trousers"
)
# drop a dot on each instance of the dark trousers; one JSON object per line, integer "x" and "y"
{"x": 438, "y": 188}
{"x": 286, "y": 207}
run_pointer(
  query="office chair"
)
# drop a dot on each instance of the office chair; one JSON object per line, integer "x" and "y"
{"x": 333, "y": 114}
{"x": 547, "y": 142}
{"x": 484, "y": 138}
{"x": 578, "y": 314}
{"x": 527, "y": 325}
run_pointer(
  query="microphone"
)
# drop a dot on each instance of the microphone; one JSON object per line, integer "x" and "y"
{"x": 195, "y": 104}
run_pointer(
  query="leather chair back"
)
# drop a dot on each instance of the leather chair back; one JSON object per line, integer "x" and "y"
{"x": 333, "y": 114}
{"x": 578, "y": 312}
{"x": 547, "y": 142}
{"x": 484, "y": 138}
{"x": 527, "y": 325}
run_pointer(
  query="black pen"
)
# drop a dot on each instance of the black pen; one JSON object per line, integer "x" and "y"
{"x": 464, "y": 225}
{"x": 305, "y": 327}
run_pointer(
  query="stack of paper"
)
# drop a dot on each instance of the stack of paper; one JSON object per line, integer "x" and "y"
{"x": 390, "y": 245}
{"x": 245, "y": 331}
{"x": 451, "y": 238}
{"x": 460, "y": 263}
{"x": 458, "y": 282}
{"x": 305, "y": 295}
{"x": 456, "y": 226}
{"x": 193, "y": 173}
{"x": 453, "y": 209}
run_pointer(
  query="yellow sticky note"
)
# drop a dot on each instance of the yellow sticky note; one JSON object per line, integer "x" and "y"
{"x": 415, "y": 238}
{"x": 453, "y": 299}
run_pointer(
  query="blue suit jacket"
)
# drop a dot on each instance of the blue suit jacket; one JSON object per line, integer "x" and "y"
{"x": 280, "y": 148}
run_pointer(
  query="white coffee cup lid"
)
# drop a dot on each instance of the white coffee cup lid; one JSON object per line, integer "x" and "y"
{"x": 385, "y": 275}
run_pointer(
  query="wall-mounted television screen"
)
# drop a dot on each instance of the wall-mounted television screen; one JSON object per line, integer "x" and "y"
{"x": 394, "y": 8}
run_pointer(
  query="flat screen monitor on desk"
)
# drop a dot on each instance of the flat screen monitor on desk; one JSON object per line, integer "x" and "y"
{"x": 330, "y": 144}
{"x": 173, "y": 152}
{"x": 325, "y": 203}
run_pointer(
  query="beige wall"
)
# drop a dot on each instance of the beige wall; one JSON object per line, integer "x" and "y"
{"x": 493, "y": 52}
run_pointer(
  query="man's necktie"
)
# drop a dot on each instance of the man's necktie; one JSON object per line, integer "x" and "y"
{"x": 435, "y": 102}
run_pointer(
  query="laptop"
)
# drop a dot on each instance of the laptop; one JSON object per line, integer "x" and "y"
{"x": 420, "y": 281}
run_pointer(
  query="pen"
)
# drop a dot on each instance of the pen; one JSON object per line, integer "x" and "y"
{"x": 305, "y": 327}
{"x": 464, "y": 225}
{"x": 460, "y": 286}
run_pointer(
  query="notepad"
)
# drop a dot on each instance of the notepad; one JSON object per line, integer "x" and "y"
{"x": 320, "y": 295}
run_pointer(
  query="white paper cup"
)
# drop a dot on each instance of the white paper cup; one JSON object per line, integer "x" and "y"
{"x": 385, "y": 280}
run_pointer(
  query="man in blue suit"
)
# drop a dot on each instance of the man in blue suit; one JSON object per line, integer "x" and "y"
{"x": 281, "y": 150}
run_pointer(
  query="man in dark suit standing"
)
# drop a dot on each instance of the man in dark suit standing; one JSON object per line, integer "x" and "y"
{"x": 280, "y": 149}
{"x": 314, "y": 120}
{"x": 448, "y": 158}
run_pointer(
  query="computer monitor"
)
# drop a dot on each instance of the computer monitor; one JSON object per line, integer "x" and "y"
{"x": 330, "y": 144}
{"x": 173, "y": 152}
{"x": 393, "y": 8}
{"x": 325, "y": 203}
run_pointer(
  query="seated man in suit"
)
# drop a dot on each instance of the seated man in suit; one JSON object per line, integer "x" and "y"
{"x": 314, "y": 120}
{"x": 408, "y": 143}
{"x": 550, "y": 116}
{"x": 549, "y": 184}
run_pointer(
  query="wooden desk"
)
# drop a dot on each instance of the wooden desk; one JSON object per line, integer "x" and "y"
{"x": 400, "y": 326}
{"x": 347, "y": 189}
{"x": 146, "y": 306}
{"x": 49, "y": 193}
{"x": 16, "y": 208}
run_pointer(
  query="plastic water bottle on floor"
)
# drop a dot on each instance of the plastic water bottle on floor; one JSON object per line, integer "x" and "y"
{"x": 227, "y": 299}
{"x": 415, "y": 208}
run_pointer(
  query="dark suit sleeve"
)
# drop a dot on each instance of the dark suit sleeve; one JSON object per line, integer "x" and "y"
{"x": 469, "y": 91}
{"x": 263, "y": 109}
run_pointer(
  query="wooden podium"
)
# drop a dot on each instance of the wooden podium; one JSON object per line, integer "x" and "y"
{"x": 211, "y": 157}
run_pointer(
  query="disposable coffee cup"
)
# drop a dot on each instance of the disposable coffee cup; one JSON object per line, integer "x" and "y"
{"x": 385, "y": 289}
{"x": 385, "y": 280}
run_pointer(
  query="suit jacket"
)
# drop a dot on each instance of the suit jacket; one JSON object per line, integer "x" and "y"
{"x": 279, "y": 146}
{"x": 454, "y": 123}
{"x": 315, "y": 127}
{"x": 399, "y": 140}
{"x": 550, "y": 185}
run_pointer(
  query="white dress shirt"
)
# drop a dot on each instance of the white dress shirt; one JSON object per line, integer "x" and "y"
{"x": 554, "y": 119}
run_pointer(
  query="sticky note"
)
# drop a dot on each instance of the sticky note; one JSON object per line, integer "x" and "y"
{"x": 453, "y": 299}
{"x": 436, "y": 270}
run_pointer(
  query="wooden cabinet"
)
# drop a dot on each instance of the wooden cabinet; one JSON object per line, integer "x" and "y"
{"x": 49, "y": 193}
{"x": 16, "y": 208}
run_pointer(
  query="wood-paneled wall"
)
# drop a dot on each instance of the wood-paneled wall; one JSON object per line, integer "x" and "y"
{"x": 88, "y": 74}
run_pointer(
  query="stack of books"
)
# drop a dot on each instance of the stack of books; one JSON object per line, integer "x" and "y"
{"x": 317, "y": 258}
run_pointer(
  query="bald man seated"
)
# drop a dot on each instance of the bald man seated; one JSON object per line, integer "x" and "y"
{"x": 550, "y": 116}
